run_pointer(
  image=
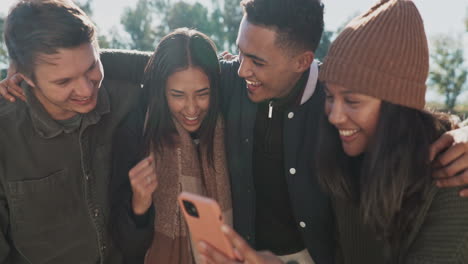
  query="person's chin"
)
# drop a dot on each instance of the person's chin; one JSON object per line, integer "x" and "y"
{"x": 84, "y": 109}
{"x": 352, "y": 151}
{"x": 256, "y": 98}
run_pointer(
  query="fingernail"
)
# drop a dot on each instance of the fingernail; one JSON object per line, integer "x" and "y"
{"x": 202, "y": 245}
{"x": 224, "y": 228}
{"x": 464, "y": 193}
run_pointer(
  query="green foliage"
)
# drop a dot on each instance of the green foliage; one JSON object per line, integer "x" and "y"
{"x": 3, "y": 48}
{"x": 325, "y": 43}
{"x": 85, "y": 5}
{"x": 466, "y": 20}
{"x": 138, "y": 22}
{"x": 150, "y": 20}
{"x": 448, "y": 72}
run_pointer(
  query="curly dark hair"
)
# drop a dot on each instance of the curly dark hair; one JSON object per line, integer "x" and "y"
{"x": 299, "y": 23}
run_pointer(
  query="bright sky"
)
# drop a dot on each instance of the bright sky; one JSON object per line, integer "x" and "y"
{"x": 440, "y": 16}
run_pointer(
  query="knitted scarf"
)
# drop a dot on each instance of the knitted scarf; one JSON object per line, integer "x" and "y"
{"x": 181, "y": 168}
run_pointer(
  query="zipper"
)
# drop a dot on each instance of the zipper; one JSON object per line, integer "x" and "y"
{"x": 270, "y": 109}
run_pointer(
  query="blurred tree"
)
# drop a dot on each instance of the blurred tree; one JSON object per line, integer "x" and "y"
{"x": 138, "y": 23}
{"x": 227, "y": 19}
{"x": 325, "y": 43}
{"x": 448, "y": 72}
{"x": 3, "y": 50}
{"x": 182, "y": 14}
{"x": 466, "y": 20}
{"x": 150, "y": 20}
{"x": 85, "y": 5}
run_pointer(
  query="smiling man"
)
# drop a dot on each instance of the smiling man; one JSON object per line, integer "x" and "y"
{"x": 272, "y": 104}
{"x": 55, "y": 148}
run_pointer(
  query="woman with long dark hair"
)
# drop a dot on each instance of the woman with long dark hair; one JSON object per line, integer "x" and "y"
{"x": 374, "y": 146}
{"x": 182, "y": 132}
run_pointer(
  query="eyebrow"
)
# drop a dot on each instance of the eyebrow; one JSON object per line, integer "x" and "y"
{"x": 252, "y": 56}
{"x": 203, "y": 90}
{"x": 69, "y": 78}
{"x": 176, "y": 91}
{"x": 198, "y": 91}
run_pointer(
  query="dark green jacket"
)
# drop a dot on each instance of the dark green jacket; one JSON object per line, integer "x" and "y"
{"x": 55, "y": 184}
{"x": 439, "y": 236}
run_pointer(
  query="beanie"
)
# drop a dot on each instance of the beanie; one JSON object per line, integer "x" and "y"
{"x": 382, "y": 53}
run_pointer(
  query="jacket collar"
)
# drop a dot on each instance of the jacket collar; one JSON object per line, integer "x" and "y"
{"x": 47, "y": 127}
{"x": 311, "y": 82}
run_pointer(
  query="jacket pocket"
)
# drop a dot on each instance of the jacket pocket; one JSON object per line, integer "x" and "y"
{"x": 43, "y": 203}
{"x": 44, "y": 213}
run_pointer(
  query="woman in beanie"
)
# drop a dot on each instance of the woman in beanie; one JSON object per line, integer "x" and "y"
{"x": 374, "y": 146}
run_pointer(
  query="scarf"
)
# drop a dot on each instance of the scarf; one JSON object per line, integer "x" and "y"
{"x": 182, "y": 168}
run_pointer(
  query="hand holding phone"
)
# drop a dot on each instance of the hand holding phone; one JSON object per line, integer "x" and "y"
{"x": 204, "y": 218}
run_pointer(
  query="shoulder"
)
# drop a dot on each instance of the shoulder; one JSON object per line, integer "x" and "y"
{"x": 443, "y": 236}
{"x": 122, "y": 93}
{"x": 11, "y": 113}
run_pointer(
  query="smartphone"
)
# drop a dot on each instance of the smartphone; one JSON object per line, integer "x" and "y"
{"x": 204, "y": 219}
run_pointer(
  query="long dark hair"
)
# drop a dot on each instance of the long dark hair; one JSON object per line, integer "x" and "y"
{"x": 390, "y": 181}
{"x": 178, "y": 51}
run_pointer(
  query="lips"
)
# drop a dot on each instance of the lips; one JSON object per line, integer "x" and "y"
{"x": 190, "y": 120}
{"x": 253, "y": 86}
{"x": 82, "y": 101}
{"x": 348, "y": 135}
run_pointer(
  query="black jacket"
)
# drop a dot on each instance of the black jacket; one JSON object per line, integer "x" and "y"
{"x": 311, "y": 207}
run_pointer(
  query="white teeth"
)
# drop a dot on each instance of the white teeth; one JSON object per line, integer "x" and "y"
{"x": 348, "y": 133}
{"x": 191, "y": 118}
{"x": 253, "y": 83}
{"x": 84, "y": 99}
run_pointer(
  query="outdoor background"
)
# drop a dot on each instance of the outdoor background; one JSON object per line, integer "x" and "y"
{"x": 139, "y": 24}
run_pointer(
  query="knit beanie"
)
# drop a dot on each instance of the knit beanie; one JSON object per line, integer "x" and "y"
{"x": 382, "y": 53}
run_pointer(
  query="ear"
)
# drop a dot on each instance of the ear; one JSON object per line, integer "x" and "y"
{"x": 304, "y": 60}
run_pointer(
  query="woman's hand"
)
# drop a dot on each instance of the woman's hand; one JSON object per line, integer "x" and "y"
{"x": 10, "y": 89}
{"x": 244, "y": 253}
{"x": 144, "y": 181}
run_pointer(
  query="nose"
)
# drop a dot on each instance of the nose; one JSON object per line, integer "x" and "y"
{"x": 336, "y": 113}
{"x": 245, "y": 70}
{"x": 85, "y": 87}
{"x": 191, "y": 106}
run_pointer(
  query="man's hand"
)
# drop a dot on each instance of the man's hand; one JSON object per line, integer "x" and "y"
{"x": 144, "y": 182}
{"x": 449, "y": 155}
{"x": 228, "y": 56}
{"x": 244, "y": 253}
{"x": 10, "y": 89}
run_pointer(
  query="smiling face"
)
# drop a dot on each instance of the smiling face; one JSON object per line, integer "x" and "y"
{"x": 269, "y": 70}
{"x": 354, "y": 115}
{"x": 67, "y": 82}
{"x": 188, "y": 97}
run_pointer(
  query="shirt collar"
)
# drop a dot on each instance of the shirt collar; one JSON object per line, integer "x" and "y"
{"x": 47, "y": 127}
{"x": 311, "y": 82}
